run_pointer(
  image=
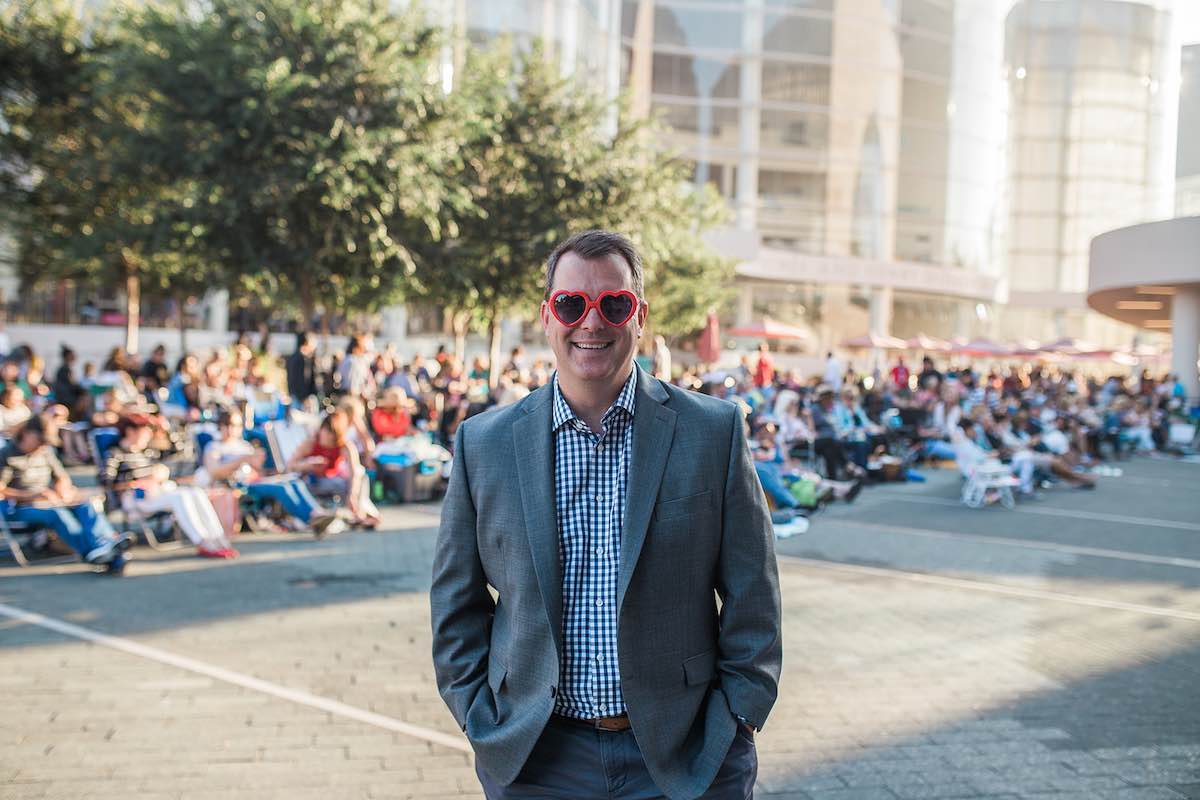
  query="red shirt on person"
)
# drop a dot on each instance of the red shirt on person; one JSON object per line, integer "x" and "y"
{"x": 764, "y": 373}
{"x": 391, "y": 424}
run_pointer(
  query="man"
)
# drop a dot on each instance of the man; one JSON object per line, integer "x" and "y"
{"x": 37, "y": 491}
{"x": 833, "y": 372}
{"x": 605, "y": 509}
{"x": 154, "y": 373}
{"x": 302, "y": 369}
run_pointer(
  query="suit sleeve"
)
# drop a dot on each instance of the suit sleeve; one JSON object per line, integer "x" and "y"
{"x": 461, "y": 606}
{"x": 750, "y": 644}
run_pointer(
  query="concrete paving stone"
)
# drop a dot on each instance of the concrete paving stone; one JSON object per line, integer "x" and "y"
{"x": 1157, "y": 772}
{"x": 933, "y": 791}
{"x": 853, "y": 794}
{"x": 1142, "y": 793}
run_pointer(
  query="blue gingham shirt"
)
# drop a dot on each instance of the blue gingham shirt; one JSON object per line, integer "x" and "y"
{"x": 590, "y": 476}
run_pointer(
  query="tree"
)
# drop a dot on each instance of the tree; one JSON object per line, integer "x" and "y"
{"x": 82, "y": 202}
{"x": 538, "y": 164}
{"x": 311, "y": 135}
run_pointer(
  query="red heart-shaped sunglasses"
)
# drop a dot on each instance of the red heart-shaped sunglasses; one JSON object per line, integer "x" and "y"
{"x": 616, "y": 308}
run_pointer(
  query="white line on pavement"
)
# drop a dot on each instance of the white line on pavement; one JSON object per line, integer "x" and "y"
{"x": 993, "y": 588}
{"x": 237, "y": 679}
{"x": 1120, "y": 555}
{"x": 1099, "y": 516}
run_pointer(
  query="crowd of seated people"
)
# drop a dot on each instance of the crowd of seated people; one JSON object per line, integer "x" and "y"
{"x": 813, "y": 440}
{"x": 1050, "y": 427}
{"x": 183, "y": 441}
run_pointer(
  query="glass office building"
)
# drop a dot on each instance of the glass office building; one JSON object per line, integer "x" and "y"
{"x": 859, "y": 141}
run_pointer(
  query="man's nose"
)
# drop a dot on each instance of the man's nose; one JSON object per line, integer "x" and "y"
{"x": 593, "y": 320}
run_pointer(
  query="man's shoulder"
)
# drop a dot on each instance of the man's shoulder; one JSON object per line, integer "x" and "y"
{"x": 498, "y": 422}
{"x": 697, "y": 406}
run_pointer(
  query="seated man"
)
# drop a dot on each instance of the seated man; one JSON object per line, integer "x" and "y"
{"x": 38, "y": 491}
{"x": 828, "y": 443}
{"x": 142, "y": 482}
{"x": 1014, "y": 436}
{"x": 972, "y": 448}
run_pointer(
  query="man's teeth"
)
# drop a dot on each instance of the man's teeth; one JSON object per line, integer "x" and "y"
{"x": 592, "y": 345}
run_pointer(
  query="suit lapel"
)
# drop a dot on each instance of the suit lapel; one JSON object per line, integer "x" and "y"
{"x": 653, "y": 429}
{"x": 534, "y": 448}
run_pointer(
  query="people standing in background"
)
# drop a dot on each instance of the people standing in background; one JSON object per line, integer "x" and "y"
{"x": 302, "y": 369}
{"x": 833, "y": 372}
{"x": 900, "y": 374}
{"x": 764, "y": 370}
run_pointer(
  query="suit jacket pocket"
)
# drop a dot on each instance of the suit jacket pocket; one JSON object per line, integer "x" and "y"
{"x": 700, "y": 669}
{"x": 496, "y": 672}
{"x": 682, "y": 506}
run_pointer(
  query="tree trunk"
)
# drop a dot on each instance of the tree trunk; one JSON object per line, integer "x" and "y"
{"x": 459, "y": 322}
{"x": 133, "y": 307}
{"x": 494, "y": 350}
{"x": 307, "y": 302}
{"x": 182, "y": 327}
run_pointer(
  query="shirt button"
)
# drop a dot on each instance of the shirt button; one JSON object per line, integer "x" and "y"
{"x": 599, "y": 602}
{"x": 599, "y": 551}
{"x": 599, "y": 498}
{"x": 600, "y": 657}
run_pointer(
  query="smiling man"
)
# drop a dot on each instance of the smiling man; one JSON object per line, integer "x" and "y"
{"x": 607, "y": 511}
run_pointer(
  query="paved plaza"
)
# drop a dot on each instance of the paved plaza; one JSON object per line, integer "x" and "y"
{"x": 930, "y": 652}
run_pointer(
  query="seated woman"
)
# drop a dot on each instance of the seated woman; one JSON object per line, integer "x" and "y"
{"x": 231, "y": 460}
{"x": 329, "y": 462}
{"x": 37, "y": 491}
{"x": 143, "y": 484}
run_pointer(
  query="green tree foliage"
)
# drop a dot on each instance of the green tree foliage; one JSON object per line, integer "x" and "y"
{"x": 311, "y": 136}
{"x": 81, "y": 200}
{"x": 539, "y": 165}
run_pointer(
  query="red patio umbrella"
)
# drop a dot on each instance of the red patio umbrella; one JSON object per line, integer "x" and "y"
{"x": 768, "y": 328}
{"x": 929, "y": 344}
{"x": 980, "y": 348}
{"x": 875, "y": 341}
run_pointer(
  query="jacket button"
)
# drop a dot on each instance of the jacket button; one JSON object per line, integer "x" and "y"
{"x": 554, "y": 691}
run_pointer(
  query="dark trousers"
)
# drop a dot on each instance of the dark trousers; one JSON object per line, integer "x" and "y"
{"x": 571, "y": 762}
{"x": 834, "y": 454}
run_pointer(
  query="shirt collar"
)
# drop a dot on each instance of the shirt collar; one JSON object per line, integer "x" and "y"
{"x": 625, "y": 401}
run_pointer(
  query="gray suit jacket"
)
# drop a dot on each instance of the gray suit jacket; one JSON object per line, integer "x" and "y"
{"x": 696, "y": 527}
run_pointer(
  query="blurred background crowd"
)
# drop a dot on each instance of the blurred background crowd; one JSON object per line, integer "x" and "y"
{"x": 242, "y": 438}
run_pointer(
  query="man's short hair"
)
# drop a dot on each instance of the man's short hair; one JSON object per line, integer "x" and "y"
{"x": 597, "y": 244}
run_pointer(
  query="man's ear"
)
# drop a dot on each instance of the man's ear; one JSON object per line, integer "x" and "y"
{"x": 544, "y": 313}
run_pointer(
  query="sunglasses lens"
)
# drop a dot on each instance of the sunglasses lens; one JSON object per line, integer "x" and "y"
{"x": 616, "y": 308}
{"x": 569, "y": 308}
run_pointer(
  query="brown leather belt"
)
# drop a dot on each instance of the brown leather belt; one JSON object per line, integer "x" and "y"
{"x": 615, "y": 724}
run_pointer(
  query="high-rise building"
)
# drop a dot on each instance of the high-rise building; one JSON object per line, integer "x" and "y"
{"x": 860, "y": 142}
{"x": 1092, "y": 95}
{"x": 1187, "y": 160}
